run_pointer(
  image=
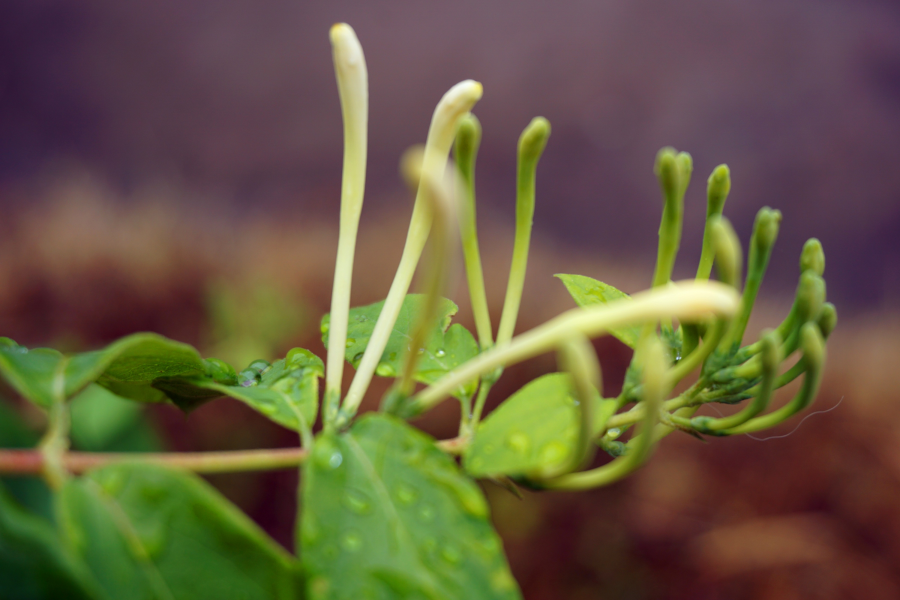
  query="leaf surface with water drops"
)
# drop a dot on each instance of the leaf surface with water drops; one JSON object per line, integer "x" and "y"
{"x": 151, "y": 533}
{"x": 590, "y": 292}
{"x": 287, "y": 392}
{"x": 447, "y": 348}
{"x": 533, "y": 432}
{"x": 386, "y": 514}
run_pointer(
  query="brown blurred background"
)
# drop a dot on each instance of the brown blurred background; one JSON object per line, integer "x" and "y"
{"x": 162, "y": 162}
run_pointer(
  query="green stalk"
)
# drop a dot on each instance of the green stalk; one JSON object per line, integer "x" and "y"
{"x": 577, "y": 357}
{"x": 55, "y": 443}
{"x": 456, "y": 102}
{"x": 771, "y": 358}
{"x": 353, "y": 88}
{"x": 717, "y": 188}
{"x": 686, "y": 300}
{"x": 674, "y": 172}
{"x": 468, "y": 138}
{"x": 814, "y": 359}
{"x": 531, "y": 145}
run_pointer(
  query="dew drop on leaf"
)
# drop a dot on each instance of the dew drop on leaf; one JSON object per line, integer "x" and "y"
{"x": 406, "y": 494}
{"x": 519, "y": 442}
{"x": 350, "y": 342}
{"x": 357, "y": 502}
{"x": 440, "y": 353}
{"x": 554, "y": 452}
{"x": 351, "y": 542}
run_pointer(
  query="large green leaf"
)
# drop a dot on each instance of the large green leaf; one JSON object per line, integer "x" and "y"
{"x": 590, "y": 292}
{"x": 151, "y": 533}
{"x": 447, "y": 347}
{"x": 387, "y": 515}
{"x": 534, "y": 431}
{"x": 287, "y": 392}
{"x": 33, "y": 563}
{"x": 128, "y": 367}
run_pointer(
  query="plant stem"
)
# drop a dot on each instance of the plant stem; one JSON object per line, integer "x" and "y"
{"x": 468, "y": 138}
{"x": 33, "y": 462}
{"x": 531, "y": 145}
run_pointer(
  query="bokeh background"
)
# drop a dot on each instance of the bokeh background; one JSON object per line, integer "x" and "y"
{"x": 174, "y": 166}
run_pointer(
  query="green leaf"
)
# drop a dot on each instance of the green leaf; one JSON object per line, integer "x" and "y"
{"x": 33, "y": 563}
{"x": 104, "y": 422}
{"x": 128, "y": 368}
{"x": 152, "y": 533}
{"x": 533, "y": 432}
{"x": 590, "y": 292}
{"x": 31, "y": 492}
{"x": 287, "y": 392}
{"x": 447, "y": 347}
{"x": 386, "y": 514}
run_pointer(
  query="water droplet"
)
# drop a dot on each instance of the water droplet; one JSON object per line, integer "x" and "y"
{"x": 327, "y": 455}
{"x": 613, "y": 433}
{"x": 420, "y": 351}
{"x": 519, "y": 443}
{"x": 392, "y": 356}
{"x": 440, "y": 353}
{"x": 385, "y": 370}
{"x": 260, "y": 366}
{"x": 351, "y": 542}
{"x": 361, "y": 318}
{"x": 554, "y": 452}
{"x": 350, "y": 342}
{"x": 406, "y": 494}
{"x": 248, "y": 378}
{"x": 426, "y": 513}
{"x": 357, "y": 357}
{"x": 451, "y": 554}
{"x": 357, "y": 502}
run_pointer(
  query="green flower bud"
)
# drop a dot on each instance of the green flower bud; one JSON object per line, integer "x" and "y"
{"x": 728, "y": 252}
{"x": 827, "y": 319}
{"x": 667, "y": 171}
{"x": 534, "y": 139}
{"x": 813, "y": 346}
{"x": 812, "y": 258}
{"x": 717, "y": 188}
{"x": 810, "y": 296}
{"x": 685, "y": 169}
{"x": 765, "y": 229}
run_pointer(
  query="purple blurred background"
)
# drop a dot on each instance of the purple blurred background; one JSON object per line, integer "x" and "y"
{"x": 236, "y": 101}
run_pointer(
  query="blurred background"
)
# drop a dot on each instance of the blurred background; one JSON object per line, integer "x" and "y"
{"x": 175, "y": 167}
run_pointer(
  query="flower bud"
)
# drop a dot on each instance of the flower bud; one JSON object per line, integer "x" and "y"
{"x": 812, "y": 258}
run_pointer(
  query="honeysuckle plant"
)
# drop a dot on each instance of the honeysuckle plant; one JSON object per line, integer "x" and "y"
{"x": 386, "y": 511}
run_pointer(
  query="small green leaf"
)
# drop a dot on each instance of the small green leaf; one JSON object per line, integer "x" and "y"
{"x": 385, "y": 514}
{"x": 33, "y": 563}
{"x": 128, "y": 368}
{"x": 287, "y": 392}
{"x": 446, "y": 348}
{"x": 151, "y": 533}
{"x": 589, "y": 292}
{"x": 534, "y": 432}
